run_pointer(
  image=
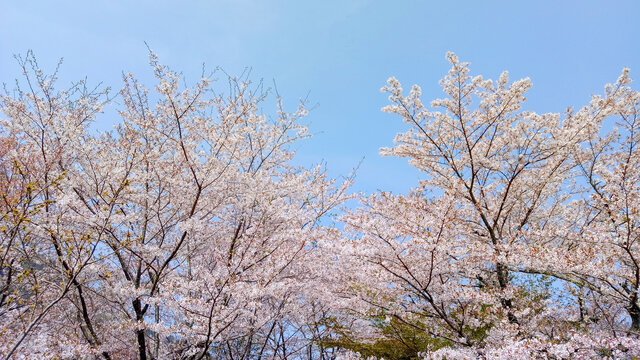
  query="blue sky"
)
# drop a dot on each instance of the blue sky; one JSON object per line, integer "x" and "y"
{"x": 338, "y": 52}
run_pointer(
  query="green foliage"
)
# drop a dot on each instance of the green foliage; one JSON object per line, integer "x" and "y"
{"x": 398, "y": 340}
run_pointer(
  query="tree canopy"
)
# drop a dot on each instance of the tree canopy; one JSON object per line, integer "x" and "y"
{"x": 188, "y": 233}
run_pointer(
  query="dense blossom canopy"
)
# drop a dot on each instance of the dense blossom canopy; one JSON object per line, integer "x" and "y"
{"x": 184, "y": 233}
{"x": 522, "y": 241}
{"x": 187, "y": 233}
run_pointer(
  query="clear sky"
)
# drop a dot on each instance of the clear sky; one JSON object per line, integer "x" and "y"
{"x": 339, "y": 52}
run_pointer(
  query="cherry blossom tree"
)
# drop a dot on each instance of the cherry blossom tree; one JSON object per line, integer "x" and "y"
{"x": 600, "y": 262}
{"x": 184, "y": 233}
{"x": 188, "y": 233}
{"x": 43, "y": 257}
{"x": 521, "y": 239}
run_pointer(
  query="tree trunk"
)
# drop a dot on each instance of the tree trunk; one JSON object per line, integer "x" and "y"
{"x": 142, "y": 344}
{"x": 634, "y": 313}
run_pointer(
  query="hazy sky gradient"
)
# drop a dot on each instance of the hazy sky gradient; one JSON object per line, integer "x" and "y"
{"x": 338, "y": 52}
